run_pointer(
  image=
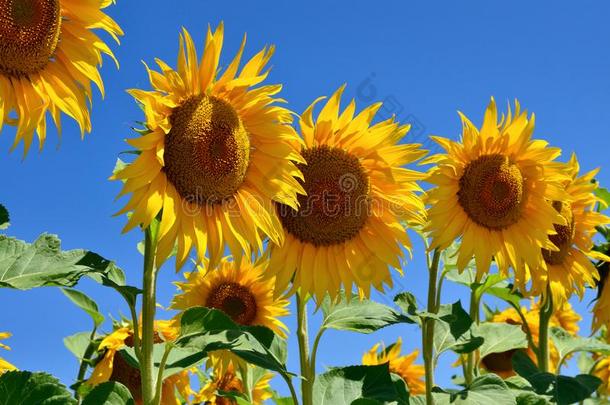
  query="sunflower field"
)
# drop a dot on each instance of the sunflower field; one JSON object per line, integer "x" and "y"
{"x": 199, "y": 238}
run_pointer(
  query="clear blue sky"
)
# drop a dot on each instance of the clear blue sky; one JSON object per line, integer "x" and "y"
{"x": 427, "y": 58}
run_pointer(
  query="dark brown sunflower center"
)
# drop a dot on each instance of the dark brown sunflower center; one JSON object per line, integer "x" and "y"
{"x": 126, "y": 374}
{"x": 337, "y": 202}
{"x": 499, "y": 362}
{"x": 235, "y": 300}
{"x": 207, "y": 150}
{"x": 564, "y": 237}
{"x": 492, "y": 191}
{"x": 29, "y": 32}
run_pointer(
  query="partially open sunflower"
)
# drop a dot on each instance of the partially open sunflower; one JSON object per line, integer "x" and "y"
{"x": 569, "y": 270}
{"x": 5, "y": 365}
{"x": 227, "y": 382}
{"x": 493, "y": 189}
{"x": 112, "y": 366}
{"x": 215, "y": 154}
{"x": 404, "y": 366}
{"x": 350, "y": 228}
{"x": 49, "y": 56}
{"x": 563, "y": 316}
{"x": 240, "y": 290}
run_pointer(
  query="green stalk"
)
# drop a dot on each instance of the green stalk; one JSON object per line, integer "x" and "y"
{"x": 428, "y": 328}
{"x": 543, "y": 342}
{"x": 314, "y": 351}
{"x": 148, "y": 318}
{"x": 84, "y": 363}
{"x": 304, "y": 354}
{"x": 526, "y": 326}
{"x": 136, "y": 333}
{"x": 159, "y": 388}
{"x": 470, "y": 357}
{"x": 293, "y": 392}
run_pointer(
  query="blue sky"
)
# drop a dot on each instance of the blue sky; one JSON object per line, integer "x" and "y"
{"x": 425, "y": 59}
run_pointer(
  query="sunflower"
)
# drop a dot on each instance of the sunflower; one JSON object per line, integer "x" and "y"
{"x": 48, "y": 58}
{"x": 351, "y": 226}
{"x": 496, "y": 185}
{"x": 402, "y": 365}
{"x": 569, "y": 270}
{"x": 237, "y": 289}
{"x": 214, "y": 155}
{"x": 227, "y": 381}
{"x": 564, "y": 317}
{"x": 5, "y": 365}
{"x": 602, "y": 371}
{"x": 240, "y": 291}
{"x": 113, "y": 367}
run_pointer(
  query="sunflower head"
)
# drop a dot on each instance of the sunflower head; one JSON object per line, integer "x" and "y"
{"x": 402, "y": 365}
{"x": 564, "y": 316}
{"x": 239, "y": 290}
{"x": 229, "y": 381}
{"x": 215, "y": 155}
{"x": 349, "y": 228}
{"x": 496, "y": 185}
{"x": 48, "y": 59}
{"x": 567, "y": 268}
{"x": 112, "y": 366}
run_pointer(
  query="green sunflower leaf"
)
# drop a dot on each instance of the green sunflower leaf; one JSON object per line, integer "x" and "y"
{"x": 357, "y": 385}
{"x": 205, "y": 330}
{"x": 500, "y": 337}
{"x": 115, "y": 279}
{"x": 78, "y": 343}
{"x": 24, "y": 266}
{"x": 567, "y": 344}
{"x": 27, "y": 388}
{"x": 85, "y": 303}
{"x": 362, "y": 316}
{"x": 484, "y": 390}
{"x": 453, "y": 330}
{"x": 524, "y": 392}
{"x": 564, "y": 390}
{"x": 408, "y": 304}
{"x": 109, "y": 393}
{"x": 179, "y": 359}
{"x": 4, "y": 218}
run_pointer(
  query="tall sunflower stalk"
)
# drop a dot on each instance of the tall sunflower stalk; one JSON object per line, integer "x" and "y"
{"x": 149, "y": 304}
{"x": 428, "y": 325}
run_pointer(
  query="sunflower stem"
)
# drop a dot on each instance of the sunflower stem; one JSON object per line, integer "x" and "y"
{"x": 314, "y": 350}
{"x": 293, "y": 392}
{"x": 304, "y": 354}
{"x": 159, "y": 388}
{"x": 137, "y": 347}
{"x": 428, "y": 327}
{"x": 526, "y": 326}
{"x": 148, "y": 317}
{"x": 84, "y": 363}
{"x": 543, "y": 342}
{"x": 474, "y": 315}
